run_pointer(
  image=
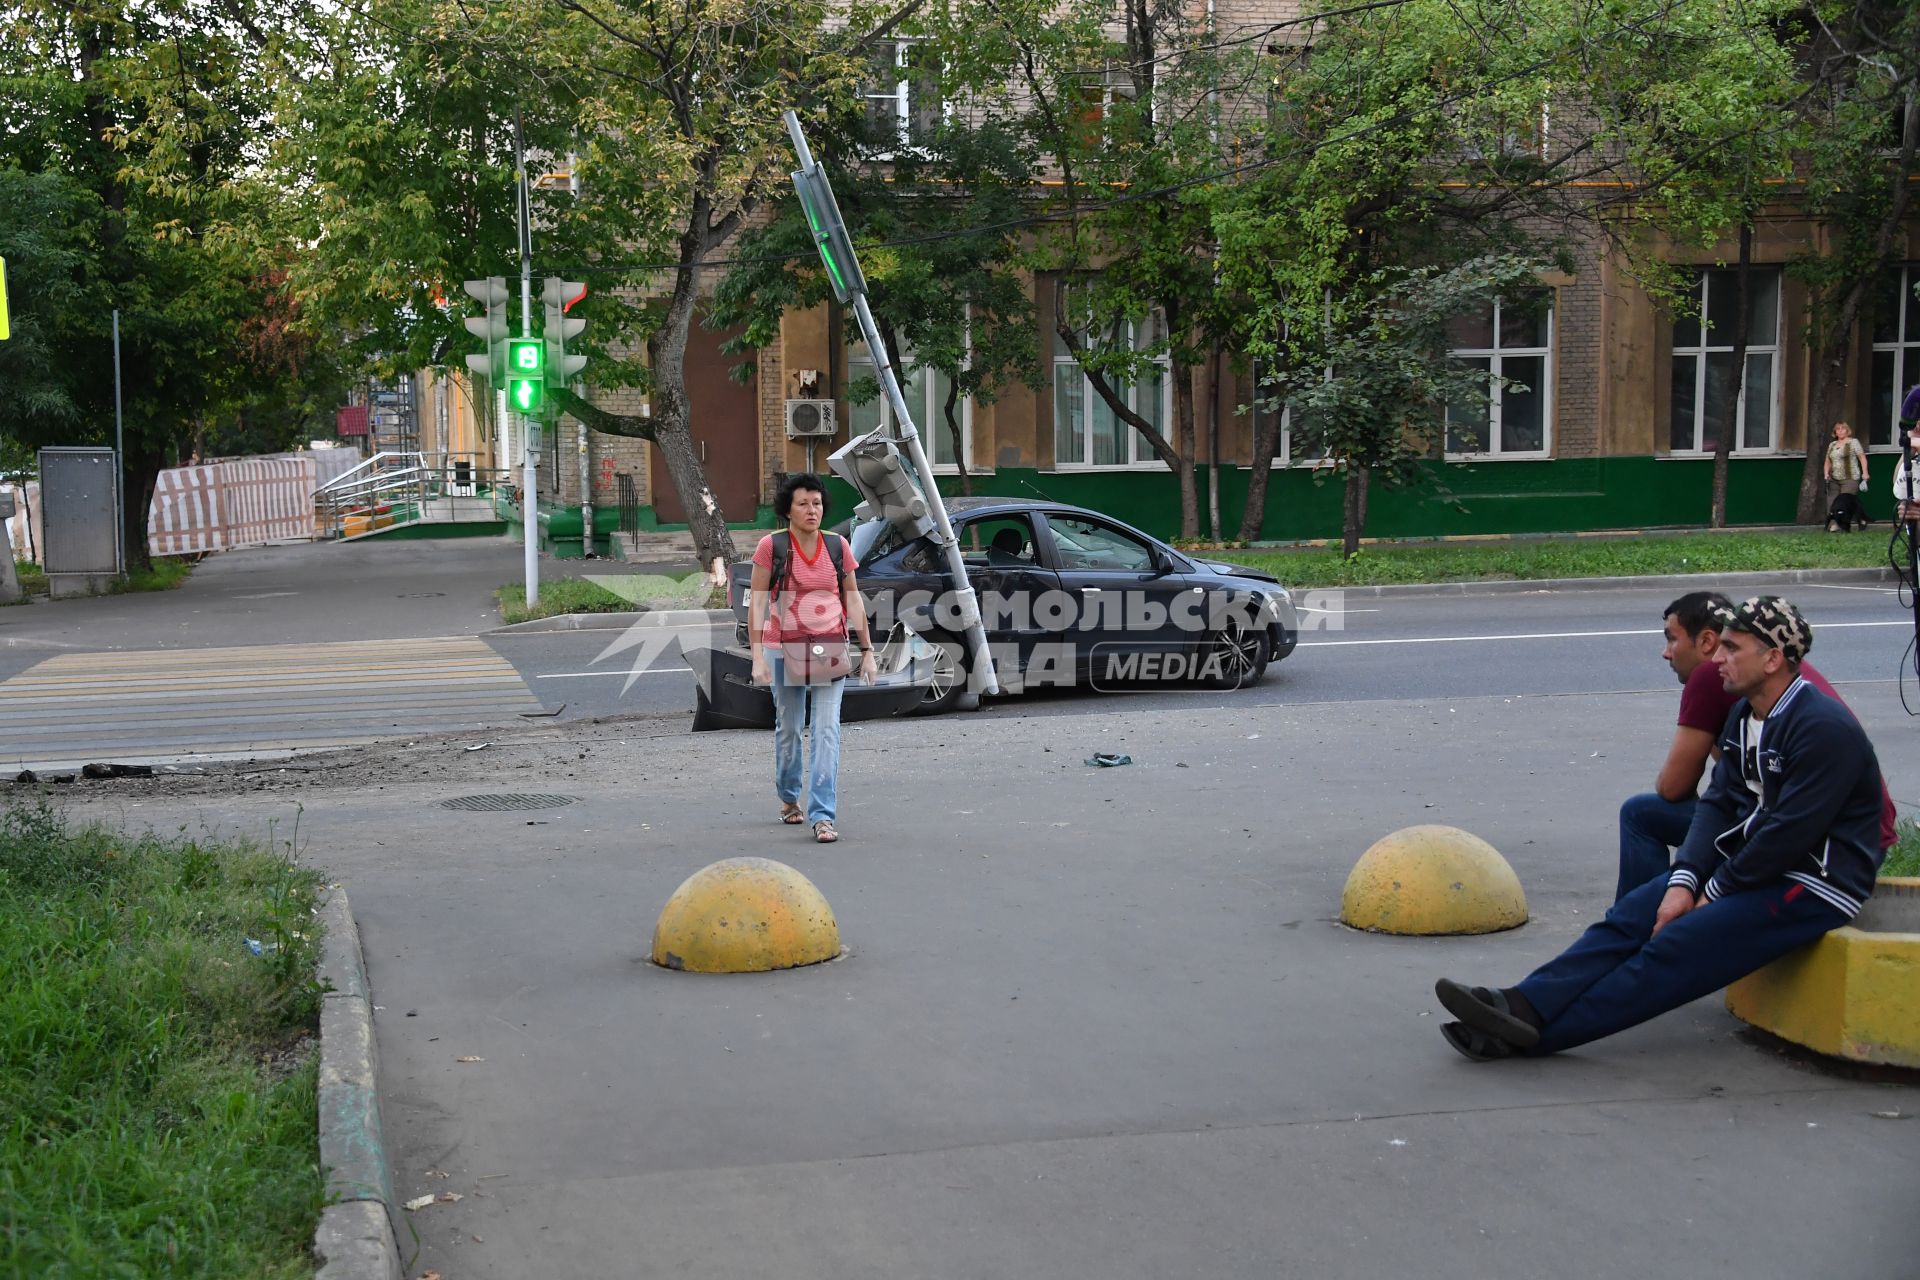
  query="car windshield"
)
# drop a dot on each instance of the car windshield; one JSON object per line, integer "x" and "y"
{"x": 872, "y": 538}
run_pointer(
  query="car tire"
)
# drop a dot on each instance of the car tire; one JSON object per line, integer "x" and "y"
{"x": 1243, "y": 656}
{"x": 949, "y": 688}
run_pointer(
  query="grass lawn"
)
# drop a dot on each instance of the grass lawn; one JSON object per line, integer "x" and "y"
{"x": 1702, "y": 552}
{"x": 166, "y": 573}
{"x": 609, "y": 593}
{"x": 152, "y": 1119}
{"x": 1904, "y": 858}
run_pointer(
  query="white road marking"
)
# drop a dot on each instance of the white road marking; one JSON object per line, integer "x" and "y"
{"x": 1840, "y": 586}
{"x": 1307, "y": 608}
{"x": 1560, "y": 635}
{"x": 576, "y": 675}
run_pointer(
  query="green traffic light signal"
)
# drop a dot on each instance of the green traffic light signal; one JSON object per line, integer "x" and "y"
{"x": 526, "y": 374}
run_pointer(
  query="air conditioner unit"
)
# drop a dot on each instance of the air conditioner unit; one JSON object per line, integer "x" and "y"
{"x": 810, "y": 419}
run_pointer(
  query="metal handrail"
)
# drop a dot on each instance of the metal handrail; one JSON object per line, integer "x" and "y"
{"x": 391, "y": 479}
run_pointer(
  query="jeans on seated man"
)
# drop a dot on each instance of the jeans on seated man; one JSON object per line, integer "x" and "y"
{"x": 1653, "y": 823}
{"x": 1784, "y": 846}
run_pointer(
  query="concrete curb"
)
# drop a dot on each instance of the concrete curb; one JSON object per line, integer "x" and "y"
{"x": 619, "y": 621}
{"x": 356, "y": 1238}
{"x": 1729, "y": 583}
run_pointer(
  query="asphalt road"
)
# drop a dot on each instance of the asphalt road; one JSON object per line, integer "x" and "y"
{"x": 1358, "y": 649}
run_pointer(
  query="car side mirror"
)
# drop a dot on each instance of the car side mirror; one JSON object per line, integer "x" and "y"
{"x": 1161, "y": 565}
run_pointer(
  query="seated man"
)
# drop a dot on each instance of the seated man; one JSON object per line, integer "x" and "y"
{"x": 1655, "y": 822}
{"x": 1784, "y": 846}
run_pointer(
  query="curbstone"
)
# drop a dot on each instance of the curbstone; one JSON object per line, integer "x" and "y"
{"x": 1729, "y": 583}
{"x": 619, "y": 621}
{"x": 356, "y": 1238}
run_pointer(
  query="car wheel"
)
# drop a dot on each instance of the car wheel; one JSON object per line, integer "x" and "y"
{"x": 949, "y": 683}
{"x": 1236, "y": 656}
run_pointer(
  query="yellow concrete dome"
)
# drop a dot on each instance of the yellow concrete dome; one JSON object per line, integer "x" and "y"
{"x": 1433, "y": 880}
{"x": 745, "y": 915}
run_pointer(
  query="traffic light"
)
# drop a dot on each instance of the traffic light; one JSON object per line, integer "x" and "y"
{"x": 829, "y": 232}
{"x": 491, "y": 328}
{"x": 873, "y": 466}
{"x": 526, "y": 375}
{"x": 557, "y": 296}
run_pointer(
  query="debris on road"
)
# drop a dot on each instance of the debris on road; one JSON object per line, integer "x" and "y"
{"x": 1109, "y": 759}
{"x": 117, "y": 770}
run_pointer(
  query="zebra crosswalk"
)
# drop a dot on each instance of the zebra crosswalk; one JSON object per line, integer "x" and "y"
{"x": 178, "y": 704}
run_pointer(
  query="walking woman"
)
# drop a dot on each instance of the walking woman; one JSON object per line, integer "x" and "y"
{"x": 805, "y": 603}
{"x": 1846, "y": 472}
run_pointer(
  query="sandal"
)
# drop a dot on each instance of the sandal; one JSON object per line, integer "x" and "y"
{"x": 1474, "y": 1045}
{"x": 1486, "y": 1010}
{"x": 790, "y": 813}
{"x": 823, "y": 832}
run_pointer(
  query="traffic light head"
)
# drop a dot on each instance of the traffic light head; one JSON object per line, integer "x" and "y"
{"x": 873, "y": 465}
{"x": 490, "y": 328}
{"x": 526, "y": 374}
{"x": 829, "y": 232}
{"x": 557, "y": 297}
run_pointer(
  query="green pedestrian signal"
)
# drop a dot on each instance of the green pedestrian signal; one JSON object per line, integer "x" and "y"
{"x": 829, "y": 233}
{"x": 526, "y": 374}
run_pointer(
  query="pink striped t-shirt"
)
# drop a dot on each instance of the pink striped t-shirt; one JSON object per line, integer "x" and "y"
{"x": 809, "y": 603}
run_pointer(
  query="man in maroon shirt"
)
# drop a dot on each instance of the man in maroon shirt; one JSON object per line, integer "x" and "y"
{"x": 1654, "y": 823}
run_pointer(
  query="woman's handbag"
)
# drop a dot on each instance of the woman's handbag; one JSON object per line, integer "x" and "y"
{"x": 816, "y": 659}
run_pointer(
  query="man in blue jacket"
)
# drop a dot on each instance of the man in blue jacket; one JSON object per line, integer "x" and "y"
{"x": 1784, "y": 846}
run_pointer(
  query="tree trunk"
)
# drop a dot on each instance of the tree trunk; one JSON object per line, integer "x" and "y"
{"x": 1354, "y": 511}
{"x": 667, "y": 353}
{"x": 1186, "y": 435}
{"x": 141, "y": 472}
{"x": 1266, "y": 443}
{"x": 1723, "y": 447}
{"x": 950, "y": 411}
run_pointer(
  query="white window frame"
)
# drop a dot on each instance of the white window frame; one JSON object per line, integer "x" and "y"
{"x": 901, "y": 97}
{"x": 1700, "y": 352}
{"x": 1905, "y": 349}
{"x": 1135, "y": 445}
{"x": 931, "y": 421}
{"x": 1496, "y": 357}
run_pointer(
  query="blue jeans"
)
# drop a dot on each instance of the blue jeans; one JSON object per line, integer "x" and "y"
{"x": 789, "y": 713}
{"x": 1650, "y": 829}
{"x": 1617, "y": 974}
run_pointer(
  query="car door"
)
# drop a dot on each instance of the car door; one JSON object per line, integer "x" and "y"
{"x": 1128, "y": 593}
{"x": 1018, "y": 594}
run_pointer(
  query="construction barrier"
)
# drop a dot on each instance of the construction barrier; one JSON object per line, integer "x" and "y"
{"x": 224, "y": 505}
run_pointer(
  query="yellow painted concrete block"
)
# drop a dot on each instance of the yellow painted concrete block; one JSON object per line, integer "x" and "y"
{"x": 745, "y": 915}
{"x": 1433, "y": 880}
{"x": 1854, "y": 994}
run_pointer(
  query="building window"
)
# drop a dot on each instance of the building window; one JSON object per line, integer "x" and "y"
{"x": 1086, "y": 431}
{"x": 1896, "y": 353}
{"x": 925, "y": 391}
{"x": 1512, "y": 341}
{"x": 903, "y": 101}
{"x": 1706, "y": 402}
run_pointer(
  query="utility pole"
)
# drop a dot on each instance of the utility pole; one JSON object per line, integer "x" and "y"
{"x": 119, "y": 461}
{"x": 529, "y": 424}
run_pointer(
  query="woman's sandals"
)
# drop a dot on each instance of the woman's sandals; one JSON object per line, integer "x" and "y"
{"x": 823, "y": 832}
{"x": 790, "y": 813}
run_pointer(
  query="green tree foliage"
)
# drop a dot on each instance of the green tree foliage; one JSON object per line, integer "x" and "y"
{"x": 1861, "y": 159}
{"x": 935, "y": 217}
{"x": 129, "y": 143}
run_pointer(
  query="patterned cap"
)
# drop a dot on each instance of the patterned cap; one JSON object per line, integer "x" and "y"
{"x": 1774, "y": 621}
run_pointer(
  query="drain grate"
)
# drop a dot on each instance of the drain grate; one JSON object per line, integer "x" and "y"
{"x": 511, "y": 800}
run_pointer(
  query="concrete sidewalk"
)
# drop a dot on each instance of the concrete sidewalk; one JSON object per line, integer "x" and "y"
{"x": 1094, "y": 1023}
